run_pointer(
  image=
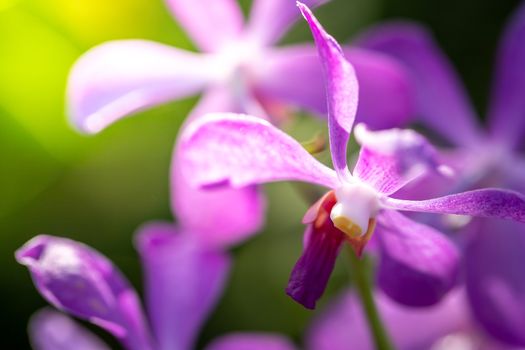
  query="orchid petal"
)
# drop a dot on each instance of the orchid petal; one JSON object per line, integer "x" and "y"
{"x": 341, "y": 91}
{"x": 52, "y": 330}
{"x": 440, "y": 98}
{"x": 310, "y": 274}
{"x": 490, "y": 202}
{"x": 390, "y": 159}
{"x": 454, "y": 164}
{"x": 270, "y": 19}
{"x": 217, "y": 217}
{"x": 418, "y": 264}
{"x": 120, "y": 78}
{"x": 242, "y": 150}
{"x": 507, "y": 110}
{"x": 183, "y": 282}
{"x": 210, "y": 24}
{"x": 495, "y": 280}
{"x": 251, "y": 341}
{"x": 344, "y": 325}
{"x": 281, "y": 79}
{"x": 78, "y": 280}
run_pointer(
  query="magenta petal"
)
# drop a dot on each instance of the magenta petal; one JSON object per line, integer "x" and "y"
{"x": 251, "y": 341}
{"x": 489, "y": 202}
{"x": 119, "y": 78}
{"x": 80, "y": 281}
{"x": 310, "y": 274}
{"x": 418, "y": 264}
{"x": 440, "y": 97}
{"x": 242, "y": 150}
{"x": 211, "y": 24}
{"x": 495, "y": 279}
{"x": 218, "y": 217}
{"x": 507, "y": 110}
{"x": 270, "y": 19}
{"x": 341, "y": 90}
{"x": 183, "y": 283}
{"x": 52, "y": 330}
{"x": 343, "y": 326}
{"x": 390, "y": 159}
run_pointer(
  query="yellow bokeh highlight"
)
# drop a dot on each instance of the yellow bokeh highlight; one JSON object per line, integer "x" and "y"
{"x": 33, "y": 69}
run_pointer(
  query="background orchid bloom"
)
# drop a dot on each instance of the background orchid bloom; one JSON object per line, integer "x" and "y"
{"x": 447, "y": 325}
{"x": 183, "y": 282}
{"x": 343, "y": 326}
{"x": 240, "y": 71}
{"x": 494, "y": 253}
{"x": 119, "y": 78}
{"x": 252, "y": 151}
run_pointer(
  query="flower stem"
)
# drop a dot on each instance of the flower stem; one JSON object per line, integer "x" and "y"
{"x": 364, "y": 288}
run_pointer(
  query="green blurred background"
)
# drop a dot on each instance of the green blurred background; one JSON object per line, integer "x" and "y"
{"x": 99, "y": 189}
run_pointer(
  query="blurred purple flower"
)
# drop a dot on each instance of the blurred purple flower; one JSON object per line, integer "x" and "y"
{"x": 120, "y": 78}
{"x": 241, "y": 70}
{"x": 183, "y": 282}
{"x": 343, "y": 325}
{"x": 252, "y": 151}
{"x": 79, "y": 280}
{"x": 494, "y": 257}
{"x": 447, "y": 325}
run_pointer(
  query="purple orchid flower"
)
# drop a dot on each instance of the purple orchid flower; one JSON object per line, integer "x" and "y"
{"x": 493, "y": 256}
{"x": 240, "y": 71}
{"x": 447, "y": 325}
{"x": 183, "y": 283}
{"x": 343, "y": 325}
{"x": 241, "y": 150}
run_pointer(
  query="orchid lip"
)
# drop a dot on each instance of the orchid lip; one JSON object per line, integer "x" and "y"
{"x": 357, "y": 203}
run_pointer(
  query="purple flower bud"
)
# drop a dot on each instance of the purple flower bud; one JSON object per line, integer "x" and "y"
{"x": 78, "y": 280}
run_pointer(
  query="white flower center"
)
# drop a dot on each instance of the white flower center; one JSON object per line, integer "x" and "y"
{"x": 234, "y": 61}
{"x": 356, "y": 204}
